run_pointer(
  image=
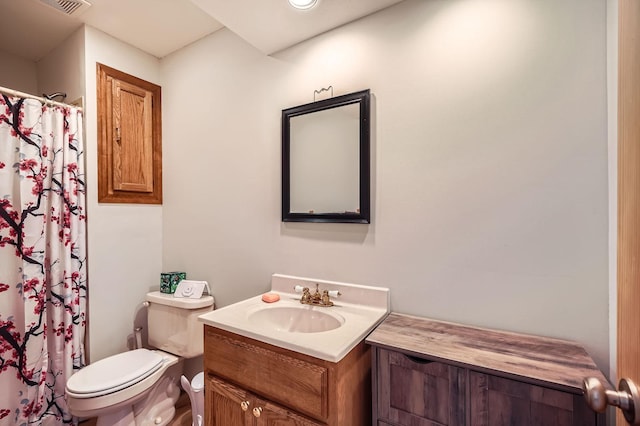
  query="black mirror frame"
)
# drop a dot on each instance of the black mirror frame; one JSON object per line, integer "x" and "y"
{"x": 364, "y": 216}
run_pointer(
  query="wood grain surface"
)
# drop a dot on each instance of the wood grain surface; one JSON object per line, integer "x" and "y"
{"x": 129, "y": 138}
{"x": 286, "y": 379}
{"x": 628, "y": 316}
{"x": 553, "y": 363}
{"x": 336, "y": 394}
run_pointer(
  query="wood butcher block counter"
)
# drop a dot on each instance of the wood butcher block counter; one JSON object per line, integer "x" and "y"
{"x": 476, "y": 376}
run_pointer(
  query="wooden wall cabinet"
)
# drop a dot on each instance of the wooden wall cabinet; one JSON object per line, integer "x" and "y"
{"x": 129, "y": 138}
{"x": 251, "y": 383}
{"x": 428, "y": 373}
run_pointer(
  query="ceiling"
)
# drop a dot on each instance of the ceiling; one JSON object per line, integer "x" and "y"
{"x": 31, "y": 29}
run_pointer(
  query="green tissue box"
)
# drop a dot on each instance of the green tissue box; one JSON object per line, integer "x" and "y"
{"x": 169, "y": 281}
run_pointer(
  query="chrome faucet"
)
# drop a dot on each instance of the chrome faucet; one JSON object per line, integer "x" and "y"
{"x": 317, "y": 298}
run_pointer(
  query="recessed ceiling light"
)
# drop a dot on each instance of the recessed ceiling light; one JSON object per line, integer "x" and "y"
{"x": 303, "y": 4}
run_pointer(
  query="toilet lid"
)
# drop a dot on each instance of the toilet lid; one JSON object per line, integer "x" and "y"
{"x": 114, "y": 373}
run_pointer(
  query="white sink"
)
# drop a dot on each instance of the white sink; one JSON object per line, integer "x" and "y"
{"x": 327, "y": 333}
{"x": 298, "y": 319}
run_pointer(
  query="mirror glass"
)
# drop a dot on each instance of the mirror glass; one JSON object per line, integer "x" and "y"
{"x": 325, "y": 167}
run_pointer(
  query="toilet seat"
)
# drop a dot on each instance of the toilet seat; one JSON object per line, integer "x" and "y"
{"x": 114, "y": 373}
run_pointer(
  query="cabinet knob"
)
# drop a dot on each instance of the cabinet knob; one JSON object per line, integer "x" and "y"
{"x": 244, "y": 405}
{"x": 257, "y": 411}
{"x": 627, "y": 398}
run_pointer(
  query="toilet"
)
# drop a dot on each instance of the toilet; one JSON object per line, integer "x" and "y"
{"x": 141, "y": 387}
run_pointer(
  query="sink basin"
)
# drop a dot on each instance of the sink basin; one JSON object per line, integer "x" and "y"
{"x": 303, "y": 319}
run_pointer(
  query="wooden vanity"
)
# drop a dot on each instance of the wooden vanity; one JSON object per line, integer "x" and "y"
{"x": 428, "y": 373}
{"x": 299, "y": 360}
{"x": 248, "y": 382}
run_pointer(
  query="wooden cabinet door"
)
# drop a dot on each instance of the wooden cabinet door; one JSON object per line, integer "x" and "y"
{"x": 129, "y": 138}
{"x": 275, "y": 415}
{"x": 495, "y": 401}
{"x": 224, "y": 404}
{"x": 415, "y": 392}
{"x": 132, "y": 147}
{"x": 229, "y": 405}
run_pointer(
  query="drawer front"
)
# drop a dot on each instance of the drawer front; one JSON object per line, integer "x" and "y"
{"x": 289, "y": 381}
{"x": 418, "y": 392}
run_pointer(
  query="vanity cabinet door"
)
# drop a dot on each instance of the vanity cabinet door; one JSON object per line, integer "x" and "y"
{"x": 496, "y": 401}
{"x": 224, "y": 404}
{"x": 274, "y": 415}
{"x": 233, "y": 406}
{"x": 417, "y": 392}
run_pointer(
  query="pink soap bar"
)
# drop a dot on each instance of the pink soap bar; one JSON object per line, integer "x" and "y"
{"x": 270, "y": 297}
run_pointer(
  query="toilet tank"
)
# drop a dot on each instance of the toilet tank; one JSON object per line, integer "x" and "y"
{"x": 173, "y": 323}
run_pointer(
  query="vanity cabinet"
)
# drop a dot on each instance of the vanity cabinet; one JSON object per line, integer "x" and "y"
{"x": 249, "y": 382}
{"x": 428, "y": 373}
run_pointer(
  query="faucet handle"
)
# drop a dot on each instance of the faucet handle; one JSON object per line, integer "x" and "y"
{"x": 298, "y": 288}
{"x": 334, "y": 293}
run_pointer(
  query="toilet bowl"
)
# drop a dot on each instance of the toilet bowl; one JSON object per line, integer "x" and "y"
{"x": 141, "y": 387}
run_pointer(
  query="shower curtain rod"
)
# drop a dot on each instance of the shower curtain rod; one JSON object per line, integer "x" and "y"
{"x": 12, "y": 92}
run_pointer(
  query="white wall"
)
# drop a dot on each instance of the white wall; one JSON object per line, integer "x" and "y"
{"x": 489, "y": 163}
{"x": 125, "y": 240}
{"x": 62, "y": 70}
{"x": 18, "y": 74}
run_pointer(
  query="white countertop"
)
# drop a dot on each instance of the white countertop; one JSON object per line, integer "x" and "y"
{"x": 358, "y": 319}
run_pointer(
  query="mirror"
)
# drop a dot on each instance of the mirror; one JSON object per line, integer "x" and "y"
{"x": 325, "y": 160}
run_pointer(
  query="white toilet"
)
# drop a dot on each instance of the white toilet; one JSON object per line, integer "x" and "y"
{"x": 141, "y": 387}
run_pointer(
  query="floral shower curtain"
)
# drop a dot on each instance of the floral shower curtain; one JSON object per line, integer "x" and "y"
{"x": 43, "y": 285}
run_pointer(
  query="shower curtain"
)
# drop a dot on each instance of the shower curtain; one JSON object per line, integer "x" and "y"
{"x": 43, "y": 284}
